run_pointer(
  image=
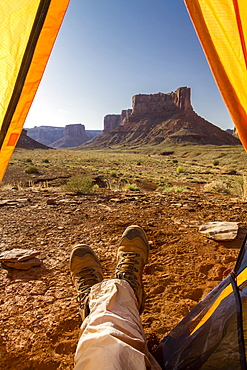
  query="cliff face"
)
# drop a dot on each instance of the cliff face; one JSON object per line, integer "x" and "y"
{"x": 125, "y": 116}
{"x": 74, "y": 135}
{"x": 160, "y": 105}
{"x": 157, "y": 118}
{"x": 111, "y": 121}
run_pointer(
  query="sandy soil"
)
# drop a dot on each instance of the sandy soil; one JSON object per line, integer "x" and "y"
{"x": 39, "y": 320}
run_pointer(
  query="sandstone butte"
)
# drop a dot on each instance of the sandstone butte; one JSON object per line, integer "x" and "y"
{"x": 74, "y": 136}
{"x": 160, "y": 118}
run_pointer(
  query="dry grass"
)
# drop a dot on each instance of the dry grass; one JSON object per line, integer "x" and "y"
{"x": 241, "y": 187}
{"x": 216, "y": 187}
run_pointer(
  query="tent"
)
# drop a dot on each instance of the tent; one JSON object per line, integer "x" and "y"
{"x": 221, "y": 26}
{"x": 213, "y": 334}
{"x": 28, "y": 30}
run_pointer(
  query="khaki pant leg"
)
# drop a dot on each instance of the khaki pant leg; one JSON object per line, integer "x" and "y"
{"x": 112, "y": 336}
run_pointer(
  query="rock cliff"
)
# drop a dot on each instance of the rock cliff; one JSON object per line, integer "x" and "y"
{"x": 161, "y": 105}
{"x": 111, "y": 121}
{"x": 74, "y": 135}
{"x": 161, "y": 118}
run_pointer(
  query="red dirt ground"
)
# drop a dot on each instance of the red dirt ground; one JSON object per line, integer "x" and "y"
{"x": 39, "y": 320}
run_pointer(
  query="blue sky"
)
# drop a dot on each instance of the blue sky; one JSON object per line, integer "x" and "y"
{"x": 107, "y": 51}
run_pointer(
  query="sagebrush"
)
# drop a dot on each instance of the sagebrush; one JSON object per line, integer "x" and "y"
{"x": 79, "y": 184}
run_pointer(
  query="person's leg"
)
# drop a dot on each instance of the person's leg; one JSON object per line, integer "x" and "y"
{"x": 112, "y": 335}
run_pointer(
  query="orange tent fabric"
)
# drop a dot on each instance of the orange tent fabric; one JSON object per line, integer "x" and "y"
{"x": 28, "y": 30}
{"x": 221, "y": 26}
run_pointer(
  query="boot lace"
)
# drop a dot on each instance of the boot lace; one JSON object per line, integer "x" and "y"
{"x": 127, "y": 270}
{"x": 87, "y": 278}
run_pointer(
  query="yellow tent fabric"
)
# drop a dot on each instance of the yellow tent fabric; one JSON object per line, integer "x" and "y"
{"x": 221, "y": 26}
{"x": 28, "y": 29}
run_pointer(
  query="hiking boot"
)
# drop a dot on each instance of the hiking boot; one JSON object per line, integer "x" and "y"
{"x": 132, "y": 255}
{"x": 85, "y": 271}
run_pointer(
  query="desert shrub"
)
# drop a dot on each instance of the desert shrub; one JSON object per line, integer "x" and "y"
{"x": 45, "y": 160}
{"x": 28, "y": 160}
{"x": 31, "y": 169}
{"x": 216, "y": 187}
{"x": 174, "y": 189}
{"x": 113, "y": 174}
{"x": 180, "y": 169}
{"x": 132, "y": 187}
{"x": 216, "y": 162}
{"x": 139, "y": 163}
{"x": 241, "y": 187}
{"x": 174, "y": 161}
{"x": 79, "y": 184}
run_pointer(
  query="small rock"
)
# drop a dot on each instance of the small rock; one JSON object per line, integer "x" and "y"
{"x": 189, "y": 209}
{"x": 221, "y": 231}
{"x": 13, "y": 202}
{"x": 116, "y": 200}
{"x": 4, "y": 202}
{"x": 17, "y": 254}
{"x": 51, "y": 201}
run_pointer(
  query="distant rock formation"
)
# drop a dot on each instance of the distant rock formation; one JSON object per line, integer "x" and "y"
{"x": 161, "y": 105}
{"x": 27, "y": 142}
{"x": 125, "y": 114}
{"x": 46, "y": 134}
{"x": 92, "y": 133}
{"x": 161, "y": 118}
{"x": 111, "y": 121}
{"x": 49, "y": 134}
{"x": 74, "y": 135}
